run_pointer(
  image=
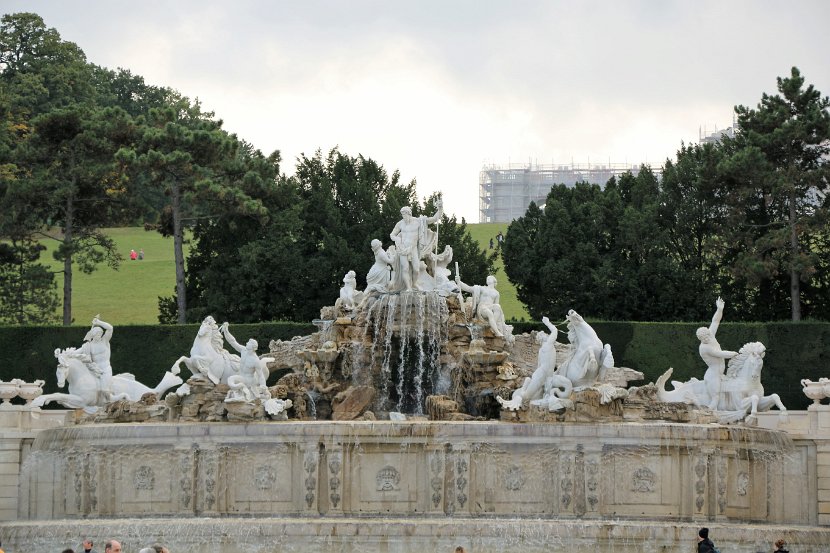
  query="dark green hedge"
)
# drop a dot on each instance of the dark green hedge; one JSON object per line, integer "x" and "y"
{"x": 794, "y": 350}
{"x": 27, "y": 352}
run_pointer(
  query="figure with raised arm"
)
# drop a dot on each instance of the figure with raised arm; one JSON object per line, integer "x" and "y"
{"x": 712, "y": 354}
{"x": 253, "y": 371}
{"x": 413, "y": 241}
{"x": 95, "y": 353}
{"x": 486, "y": 306}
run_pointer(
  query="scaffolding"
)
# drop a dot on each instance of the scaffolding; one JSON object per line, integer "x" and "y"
{"x": 505, "y": 191}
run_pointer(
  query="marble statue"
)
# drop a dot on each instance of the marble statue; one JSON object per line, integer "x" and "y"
{"x": 485, "y": 305}
{"x": 250, "y": 383}
{"x": 414, "y": 240}
{"x": 712, "y": 354}
{"x": 588, "y": 359}
{"x": 84, "y": 385}
{"x": 426, "y": 282}
{"x": 544, "y": 382}
{"x": 95, "y": 354}
{"x": 208, "y": 358}
{"x": 440, "y": 272}
{"x": 739, "y": 393}
{"x": 350, "y": 296}
{"x": 377, "y": 280}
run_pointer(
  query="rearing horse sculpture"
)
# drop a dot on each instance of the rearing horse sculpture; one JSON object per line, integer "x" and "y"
{"x": 740, "y": 393}
{"x": 208, "y": 359}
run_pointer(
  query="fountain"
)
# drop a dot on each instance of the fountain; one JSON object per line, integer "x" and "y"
{"x": 414, "y": 420}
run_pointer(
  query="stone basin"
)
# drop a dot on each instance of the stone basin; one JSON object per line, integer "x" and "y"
{"x": 417, "y": 486}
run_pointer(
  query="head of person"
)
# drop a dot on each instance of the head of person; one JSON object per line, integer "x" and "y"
{"x": 94, "y": 334}
{"x": 147, "y": 550}
{"x": 112, "y": 546}
{"x": 491, "y": 281}
{"x": 780, "y": 544}
{"x": 703, "y": 534}
{"x": 460, "y": 549}
{"x": 376, "y": 244}
{"x": 406, "y": 212}
{"x": 252, "y": 345}
{"x": 703, "y": 334}
{"x": 68, "y": 551}
{"x": 541, "y": 336}
{"x": 87, "y": 544}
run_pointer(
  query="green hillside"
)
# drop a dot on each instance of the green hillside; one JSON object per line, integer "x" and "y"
{"x": 130, "y": 294}
{"x": 513, "y": 308}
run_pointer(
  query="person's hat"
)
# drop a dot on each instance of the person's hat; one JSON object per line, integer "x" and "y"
{"x": 704, "y": 533}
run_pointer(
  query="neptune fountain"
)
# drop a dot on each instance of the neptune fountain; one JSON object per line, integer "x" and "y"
{"x": 414, "y": 419}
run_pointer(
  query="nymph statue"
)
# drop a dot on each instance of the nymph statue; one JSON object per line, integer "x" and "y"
{"x": 440, "y": 272}
{"x": 350, "y": 297}
{"x": 377, "y": 280}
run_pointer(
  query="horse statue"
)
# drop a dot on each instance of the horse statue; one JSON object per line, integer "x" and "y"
{"x": 588, "y": 359}
{"x": 208, "y": 358}
{"x": 740, "y": 392}
{"x": 85, "y": 387}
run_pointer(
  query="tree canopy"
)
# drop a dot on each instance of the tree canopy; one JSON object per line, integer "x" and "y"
{"x": 746, "y": 218}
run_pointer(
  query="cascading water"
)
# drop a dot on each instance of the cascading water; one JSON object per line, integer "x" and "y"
{"x": 406, "y": 332}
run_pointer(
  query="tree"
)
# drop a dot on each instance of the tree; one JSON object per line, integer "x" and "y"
{"x": 319, "y": 225}
{"x": 776, "y": 174}
{"x": 27, "y": 288}
{"x": 73, "y": 181}
{"x": 181, "y": 151}
{"x": 57, "y": 159}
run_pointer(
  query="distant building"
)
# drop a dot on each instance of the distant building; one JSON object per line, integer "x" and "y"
{"x": 505, "y": 191}
{"x": 717, "y": 136}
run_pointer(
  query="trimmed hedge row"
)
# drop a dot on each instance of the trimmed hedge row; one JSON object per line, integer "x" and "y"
{"x": 794, "y": 350}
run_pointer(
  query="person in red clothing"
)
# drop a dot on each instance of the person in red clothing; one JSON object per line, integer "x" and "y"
{"x": 133, "y": 255}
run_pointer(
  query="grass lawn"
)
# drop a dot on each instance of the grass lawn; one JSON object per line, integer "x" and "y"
{"x": 513, "y": 308}
{"x": 130, "y": 294}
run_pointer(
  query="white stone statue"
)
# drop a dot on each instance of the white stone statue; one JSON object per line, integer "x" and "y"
{"x": 95, "y": 354}
{"x": 377, "y": 280}
{"x": 712, "y": 354}
{"x": 208, "y": 358}
{"x": 414, "y": 240}
{"x": 740, "y": 393}
{"x": 588, "y": 358}
{"x": 350, "y": 296}
{"x": 440, "y": 272}
{"x": 486, "y": 306}
{"x": 84, "y": 385}
{"x": 544, "y": 378}
{"x": 250, "y": 383}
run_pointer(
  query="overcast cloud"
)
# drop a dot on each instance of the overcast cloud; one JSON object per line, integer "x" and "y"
{"x": 436, "y": 89}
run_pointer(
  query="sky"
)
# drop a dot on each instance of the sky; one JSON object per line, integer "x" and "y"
{"x": 437, "y": 89}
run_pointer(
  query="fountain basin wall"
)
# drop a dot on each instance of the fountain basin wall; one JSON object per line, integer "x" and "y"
{"x": 660, "y": 472}
{"x": 410, "y": 487}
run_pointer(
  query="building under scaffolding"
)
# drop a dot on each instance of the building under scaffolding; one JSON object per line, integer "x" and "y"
{"x": 505, "y": 191}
